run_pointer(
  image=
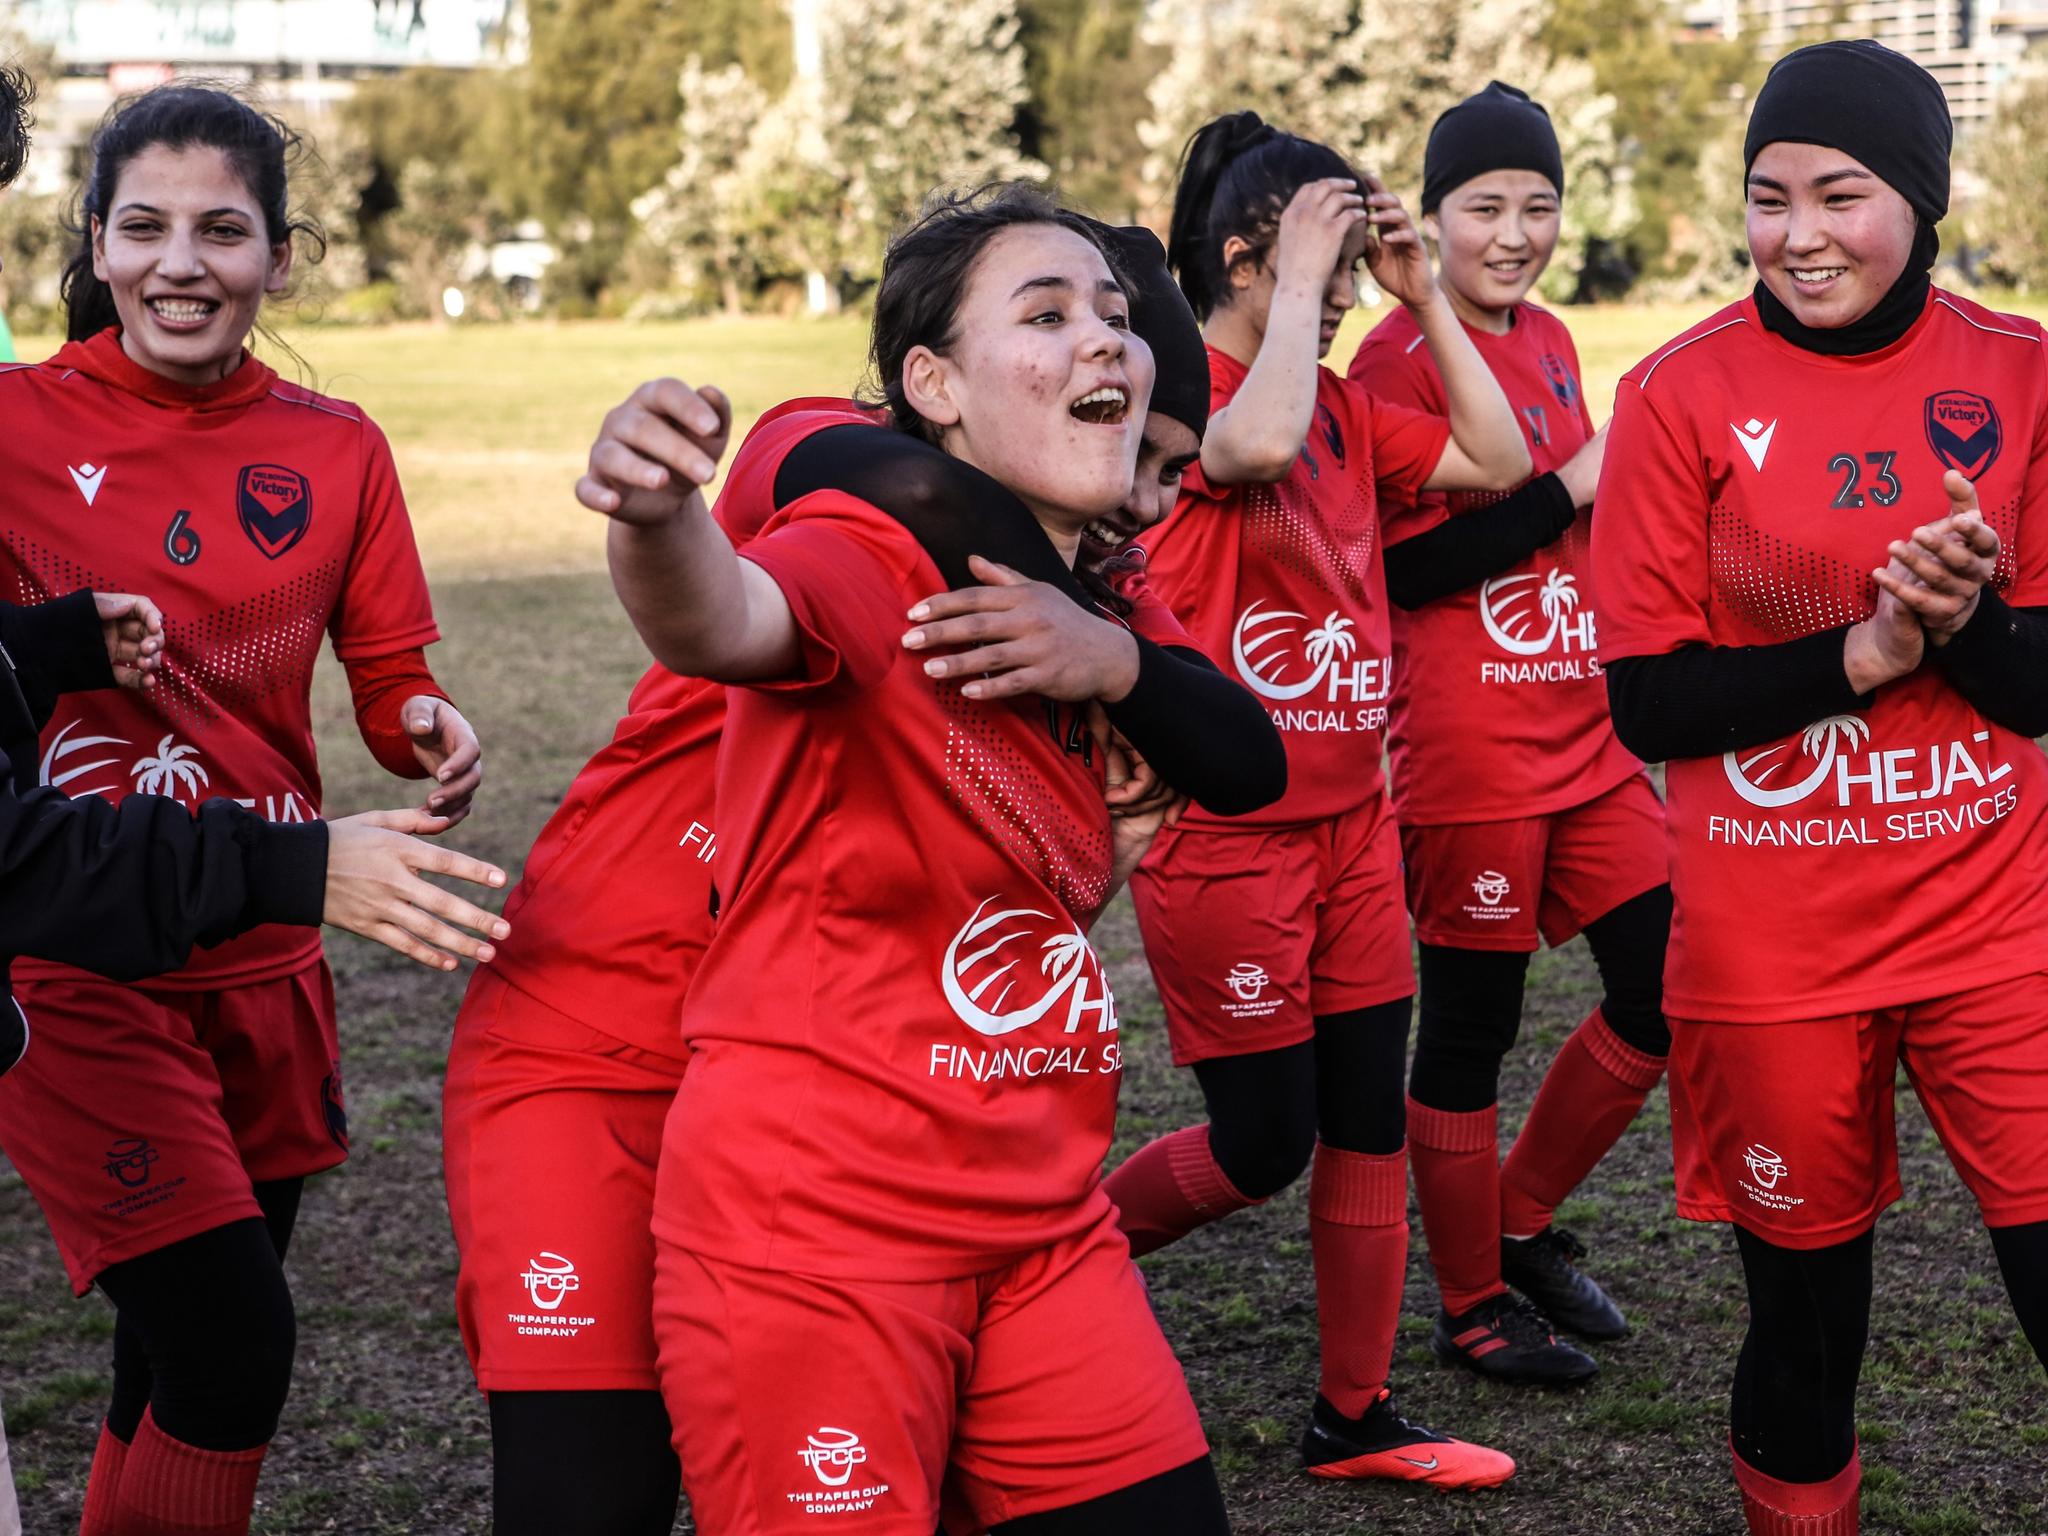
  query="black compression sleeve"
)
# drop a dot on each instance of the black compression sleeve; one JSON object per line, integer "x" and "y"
{"x": 1703, "y": 700}
{"x": 127, "y": 890}
{"x": 57, "y": 648}
{"x": 1223, "y": 751}
{"x": 1999, "y": 662}
{"x": 1463, "y": 551}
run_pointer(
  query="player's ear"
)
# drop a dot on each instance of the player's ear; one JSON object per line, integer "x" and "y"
{"x": 928, "y": 385}
{"x": 280, "y": 268}
{"x": 99, "y": 249}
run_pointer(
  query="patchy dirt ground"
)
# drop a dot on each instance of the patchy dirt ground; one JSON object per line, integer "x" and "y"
{"x": 385, "y": 1432}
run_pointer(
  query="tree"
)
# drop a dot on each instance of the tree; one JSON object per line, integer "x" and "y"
{"x": 2010, "y": 215}
{"x": 1369, "y": 77}
{"x": 1087, "y": 66}
{"x": 694, "y": 217}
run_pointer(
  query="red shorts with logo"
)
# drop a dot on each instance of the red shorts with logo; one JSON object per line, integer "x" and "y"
{"x": 550, "y": 1135}
{"x": 1787, "y": 1129}
{"x": 139, "y": 1118}
{"x": 1041, "y": 1384}
{"x": 1252, "y": 935}
{"x": 1499, "y": 884}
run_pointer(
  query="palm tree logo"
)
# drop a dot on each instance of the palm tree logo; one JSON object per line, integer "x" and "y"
{"x": 978, "y": 973}
{"x": 1518, "y": 626}
{"x": 1263, "y": 662}
{"x": 1823, "y": 741}
{"x": 173, "y": 769}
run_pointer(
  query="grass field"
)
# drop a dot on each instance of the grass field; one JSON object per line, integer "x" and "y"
{"x": 385, "y": 1432}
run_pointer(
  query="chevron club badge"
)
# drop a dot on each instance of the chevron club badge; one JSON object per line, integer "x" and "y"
{"x": 1963, "y": 431}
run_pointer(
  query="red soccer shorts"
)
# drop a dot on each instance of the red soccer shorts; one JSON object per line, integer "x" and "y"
{"x": 1042, "y": 1384}
{"x": 550, "y": 1134}
{"x": 1252, "y": 935}
{"x": 1786, "y": 1129}
{"x": 1498, "y": 884}
{"x": 141, "y": 1117}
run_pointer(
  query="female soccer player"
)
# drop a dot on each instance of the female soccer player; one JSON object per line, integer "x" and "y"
{"x": 166, "y": 1129}
{"x": 1520, "y": 812}
{"x": 1847, "y": 700}
{"x": 885, "y": 1265}
{"x": 568, "y": 1048}
{"x": 1278, "y": 942}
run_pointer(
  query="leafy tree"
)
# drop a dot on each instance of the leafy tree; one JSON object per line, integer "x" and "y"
{"x": 1087, "y": 66}
{"x": 2010, "y": 215}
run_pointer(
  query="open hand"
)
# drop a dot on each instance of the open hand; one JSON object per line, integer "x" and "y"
{"x": 374, "y": 888}
{"x": 447, "y": 748}
{"x": 1022, "y": 636}
{"x": 656, "y": 451}
{"x": 1396, "y": 256}
{"x": 1318, "y": 220}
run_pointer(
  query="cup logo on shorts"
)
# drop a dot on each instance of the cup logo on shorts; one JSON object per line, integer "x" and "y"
{"x": 548, "y": 1279}
{"x": 1491, "y": 887}
{"x": 988, "y": 979}
{"x": 1528, "y": 614}
{"x": 833, "y": 1454}
{"x": 1247, "y": 980}
{"x": 128, "y": 1161}
{"x": 1765, "y": 1166}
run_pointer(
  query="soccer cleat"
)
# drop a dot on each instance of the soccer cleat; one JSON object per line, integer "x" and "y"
{"x": 1380, "y": 1443}
{"x": 1542, "y": 1269}
{"x": 1509, "y": 1340}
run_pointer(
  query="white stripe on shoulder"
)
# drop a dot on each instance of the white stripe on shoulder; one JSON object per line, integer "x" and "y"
{"x": 1681, "y": 346}
{"x": 278, "y": 394}
{"x": 14, "y": 367}
{"x": 1995, "y": 330}
{"x": 1412, "y": 345}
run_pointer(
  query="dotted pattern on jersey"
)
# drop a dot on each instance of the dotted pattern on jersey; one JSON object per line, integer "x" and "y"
{"x": 246, "y": 652}
{"x": 42, "y": 574}
{"x": 997, "y": 788}
{"x": 1281, "y": 523}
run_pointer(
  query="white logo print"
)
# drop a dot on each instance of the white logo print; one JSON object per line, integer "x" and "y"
{"x": 1755, "y": 438}
{"x": 1491, "y": 887}
{"x": 833, "y": 1454}
{"x": 1765, "y": 1166}
{"x": 1247, "y": 980}
{"x": 1065, "y": 966}
{"x": 175, "y": 767}
{"x": 548, "y": 1279}
{"x": 87, "y": 479}
{"x": 63, "y": 746}
{"x": 1527, "y": 614}
{"x": 1263, "y": 661}
{"x": 1822, "y": 741}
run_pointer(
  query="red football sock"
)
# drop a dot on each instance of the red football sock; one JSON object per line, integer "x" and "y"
{"x": 1457, "y": 1184}
{"x": 1358, "y": 1234}
{"x": 169, "y": 1488}
{"x": 1169, "y": 1187}
{"x": 1773, "y": 1508}
{"x": 103, "y": 1488}
{"x": 1590, "y": 1094}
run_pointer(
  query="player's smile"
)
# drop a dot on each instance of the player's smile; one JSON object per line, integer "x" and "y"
{"x": 1828, "y": 237}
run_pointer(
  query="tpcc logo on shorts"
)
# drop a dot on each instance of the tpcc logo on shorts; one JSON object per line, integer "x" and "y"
{"x": 833, "y": 1455}
{"x": 1769, "y": 1171}
{"x": 1493, "y": 889}
{"x": 549, "y": 1278}
{"x": 132, "y": 1164}
{"x": 1248, "y": 983}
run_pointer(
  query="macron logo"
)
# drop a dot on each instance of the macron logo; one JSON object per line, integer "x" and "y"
{"x": 1755, "y": 438}
{"x": 87, "y": 479}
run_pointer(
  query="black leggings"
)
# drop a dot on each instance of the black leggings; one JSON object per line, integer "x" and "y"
{"x": 582, "y": 1464}
{"x": 1267, "y": 1109}
{"x": 204, "y": 1331}
{"x": 1472, "y": 1003}
{"x": 1185, "y": 1501}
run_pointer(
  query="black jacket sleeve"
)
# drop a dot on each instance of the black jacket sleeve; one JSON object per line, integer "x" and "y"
{"x": 1207, "y": 736}
{"x": 1227, "y": 756}
{"x": 1999, "y": 662}
{"x": 1703, "y": 700}
{"x": 1463, "y": 551}
{"x": 54, "y": 648}
{"x": 127, "y": 890}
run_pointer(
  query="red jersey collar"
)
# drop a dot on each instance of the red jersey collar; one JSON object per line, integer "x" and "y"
{"x": 101, "y": 358}
{"x": 1884, "y": 354}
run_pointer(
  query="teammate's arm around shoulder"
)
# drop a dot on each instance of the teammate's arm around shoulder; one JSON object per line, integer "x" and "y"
{"x": 1258, "y": 435}
{"x": 702, "y": 611}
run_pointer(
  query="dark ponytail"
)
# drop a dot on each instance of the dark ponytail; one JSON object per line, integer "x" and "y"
{"x": 1237, "y": 175}
{"x": 260, "y": 149}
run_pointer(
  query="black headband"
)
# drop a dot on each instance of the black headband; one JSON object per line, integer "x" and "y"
{"x": 1161, "y": 316}
{"x": 1499, "y": 129}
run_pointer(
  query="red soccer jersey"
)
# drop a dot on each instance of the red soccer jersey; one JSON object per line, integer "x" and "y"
{"x": 906, "y": 1052}
{"x": 257, "y": 515}
{"x": 1892, "y": 854}
{"x": 1499, "y": 708}
{"x": 1285, "y": 580}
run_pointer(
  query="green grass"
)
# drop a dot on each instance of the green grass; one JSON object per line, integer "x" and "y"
{"x": 387, "y": 1433}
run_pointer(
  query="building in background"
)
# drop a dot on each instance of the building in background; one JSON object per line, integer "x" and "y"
{"x": 303, "y": 56}
{"x": 1971, "y": 46}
